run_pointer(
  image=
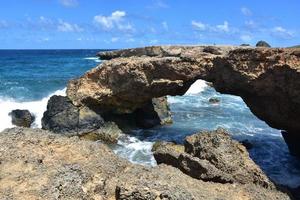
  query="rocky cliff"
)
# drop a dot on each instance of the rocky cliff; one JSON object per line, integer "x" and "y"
{"x": 268, "y": 79}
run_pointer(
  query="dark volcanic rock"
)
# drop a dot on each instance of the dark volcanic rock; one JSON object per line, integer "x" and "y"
{"x": 262, "y": 44}
{"x": 61, "y": 116}
{"x": 65, "y": 118}
{"x": 213, "y": 156}
{"x": 37, "y": 164}
{"x": 22, "y": 118}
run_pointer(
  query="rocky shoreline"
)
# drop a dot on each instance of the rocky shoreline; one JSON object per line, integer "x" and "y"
{"x": 37, "y": 164}
{"x": 69, "y": 159}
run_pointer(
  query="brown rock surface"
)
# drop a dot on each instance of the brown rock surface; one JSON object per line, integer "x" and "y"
{"x": 268, "y": 79}
{"x": 213, "y": 156}
{"x": 36, "y": 164}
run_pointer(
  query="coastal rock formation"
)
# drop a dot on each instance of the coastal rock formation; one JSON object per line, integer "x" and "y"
{"x": 213, "y": 156}
{"x": 64, "y": 118}
{"x": 36, "y": 164}
{"x": 22, "y": 118}
{"x": 268, "y": 79}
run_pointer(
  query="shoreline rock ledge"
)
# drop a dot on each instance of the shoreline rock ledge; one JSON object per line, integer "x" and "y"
{"x": 268, "y": 79}
{"x": 37, "y": 164}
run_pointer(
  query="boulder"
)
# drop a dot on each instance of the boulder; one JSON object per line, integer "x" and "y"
{"x": 262, "y": 44}
{"x": 22, "y": 118}
{"x": 37, "y": 164}
{"x": 213, "y": 156}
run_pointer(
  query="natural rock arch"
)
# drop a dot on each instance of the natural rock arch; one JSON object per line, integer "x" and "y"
{"x": 268, "y": 79}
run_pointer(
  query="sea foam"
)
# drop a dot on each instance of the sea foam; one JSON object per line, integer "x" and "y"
{"x": 35, "y": 107}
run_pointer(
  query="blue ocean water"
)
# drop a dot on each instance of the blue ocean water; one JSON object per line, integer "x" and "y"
{"x": 29, "y": 77}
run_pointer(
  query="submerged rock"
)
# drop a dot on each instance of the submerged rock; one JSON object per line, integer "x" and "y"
{"x": 22, "y": 118}
{"x": 214, "y": 100}
{"x": 37, "y": 164}
{"x": 213, "y": 156}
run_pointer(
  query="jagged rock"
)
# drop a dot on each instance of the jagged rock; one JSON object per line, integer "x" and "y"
{"x": 64, "y": 118}
{"x": 37, "y": 164}
{"x": 134, "y": 76}
{"x": 262, "y": 44}
{"x": 22, "y": 118}
{"x": 213, "y": 156}
{"x": 61, "y": 116}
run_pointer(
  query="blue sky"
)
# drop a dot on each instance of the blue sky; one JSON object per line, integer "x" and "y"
{"x": 50, "y": 24}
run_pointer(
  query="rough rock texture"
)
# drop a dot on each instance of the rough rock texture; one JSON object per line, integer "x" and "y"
{"x": 36, "y": 164}
{"x": 268, "y": 79}
{"x": 213, "y": 156}
{"x": 22, "y": 118}
{"x": 64, "y": 118}
{"x": 292, "y": 140}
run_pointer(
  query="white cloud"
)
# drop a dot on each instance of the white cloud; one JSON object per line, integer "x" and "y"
{"x": 246, "y": 38}
{"x": 199, "y": 26}
{"x": 223, "y": 27}
{"x": 67, "y": 27}
{"x": 69, "y": 3}
{"x": 246, "y": 11}
{"x": 115, "y": 20}
{"x": 115, "y": 39}
{"x": 282, "y": 32}
{"x": 165, "y": 26}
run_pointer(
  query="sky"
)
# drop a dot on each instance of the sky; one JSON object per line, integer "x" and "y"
{"x": 106, "y": 24}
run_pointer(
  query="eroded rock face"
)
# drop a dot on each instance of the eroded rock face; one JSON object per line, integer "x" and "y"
{"x": 268, "y": 79}
{"x": 22, "y": 118}
{"x": 36, "y": 164}
{"x": 213, "y": 156}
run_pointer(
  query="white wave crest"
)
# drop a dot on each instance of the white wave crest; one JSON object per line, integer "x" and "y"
{"x": 35, "y": 107}
{"x": 197, "y": 87}
{"x": 96, "y": 59}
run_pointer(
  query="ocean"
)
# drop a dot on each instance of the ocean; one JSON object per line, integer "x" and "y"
{"x": 28, "y": 78}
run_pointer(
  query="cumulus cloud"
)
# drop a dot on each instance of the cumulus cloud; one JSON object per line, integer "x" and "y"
{"x": 198, "y": 26}
{"x": 68, "y": 27}
{"x": 246, "y": 11}
{"x": 281, "y": 32}
{"x": 69, "y": 3}
{"x": 223, "y": 27}
{"x": 115, "y": 21}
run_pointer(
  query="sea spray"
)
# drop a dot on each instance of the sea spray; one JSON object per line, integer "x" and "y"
{"x": 35, "y": 107}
